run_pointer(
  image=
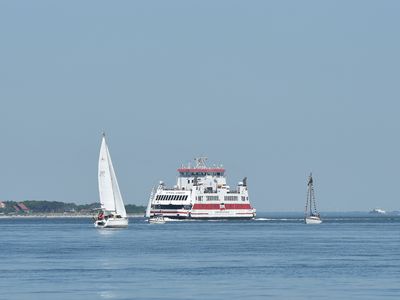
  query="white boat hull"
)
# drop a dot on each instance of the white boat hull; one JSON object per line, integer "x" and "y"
{"x": 313, "y": 220}
{"x": 156, "y": 220}
{"x": 112, "y": 223}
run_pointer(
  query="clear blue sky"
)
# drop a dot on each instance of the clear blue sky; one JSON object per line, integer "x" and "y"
{"x": 270, "y": 89}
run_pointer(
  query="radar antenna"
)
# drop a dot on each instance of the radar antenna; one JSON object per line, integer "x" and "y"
{"x": 201, "y": 162}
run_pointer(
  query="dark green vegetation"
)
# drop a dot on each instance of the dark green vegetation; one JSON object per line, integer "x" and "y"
{"x": 55, "y": 207}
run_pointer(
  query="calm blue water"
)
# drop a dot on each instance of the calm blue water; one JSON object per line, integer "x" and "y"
{"x": 348, "y": 258}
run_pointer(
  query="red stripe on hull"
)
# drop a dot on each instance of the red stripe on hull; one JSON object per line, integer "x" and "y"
{"x": 206, "y": 206}
{"x": 217, "y": 206}
{"x": 202, "y": 170}
{"x": 237, "y": 206}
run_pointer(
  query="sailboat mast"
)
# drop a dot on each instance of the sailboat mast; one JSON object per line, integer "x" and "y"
{"x": 307, "y": 200}
{"x": 310, "y": 194}
{"x": 310, "y": 199}
{"x": 315, "y": 205}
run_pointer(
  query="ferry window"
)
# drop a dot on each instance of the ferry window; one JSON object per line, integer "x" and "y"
{"x": 188, "y": 181}
{"x": 186, "y": 197}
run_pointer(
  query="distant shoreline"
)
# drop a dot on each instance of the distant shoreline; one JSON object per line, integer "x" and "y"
{"x": 57, "y": 216}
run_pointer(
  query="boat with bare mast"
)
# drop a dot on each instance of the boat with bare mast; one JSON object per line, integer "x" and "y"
{"x": 311, "y": 215}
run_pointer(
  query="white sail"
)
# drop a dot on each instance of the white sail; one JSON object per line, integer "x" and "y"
{"x": 110, "y": 195}
{"x": 148, "y": 209}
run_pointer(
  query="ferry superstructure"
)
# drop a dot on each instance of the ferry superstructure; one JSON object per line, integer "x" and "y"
{"x": 201, "y": 192}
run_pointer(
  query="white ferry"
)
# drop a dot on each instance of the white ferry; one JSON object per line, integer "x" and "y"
{"x": 201, "y": 192}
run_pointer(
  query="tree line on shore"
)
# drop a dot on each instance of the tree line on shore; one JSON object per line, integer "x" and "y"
{"x": 57, "y": 207}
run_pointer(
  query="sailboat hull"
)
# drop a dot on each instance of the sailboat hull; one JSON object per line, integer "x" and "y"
{"x": 313, "y": 220}
{"x": 112, "y": 223}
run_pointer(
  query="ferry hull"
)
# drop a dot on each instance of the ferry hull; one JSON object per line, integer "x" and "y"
{"x": 210, "y": 215}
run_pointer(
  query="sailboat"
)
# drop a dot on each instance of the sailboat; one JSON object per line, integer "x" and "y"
{"x": 113, "y": 214}
{"x": 153, "y": 218}
{"x": 311, "y": 215}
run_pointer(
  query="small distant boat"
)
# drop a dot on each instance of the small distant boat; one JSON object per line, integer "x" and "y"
{"x": 113, "y": 214}
{"x": 378, "y": 211}
{"x": 155, "y": 218}
{"x": 311, "y": 215}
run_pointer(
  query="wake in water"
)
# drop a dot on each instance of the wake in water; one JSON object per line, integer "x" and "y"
{"x": 279, "y": 219}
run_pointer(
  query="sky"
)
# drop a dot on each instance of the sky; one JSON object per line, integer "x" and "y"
{"x": 273, "y": 90}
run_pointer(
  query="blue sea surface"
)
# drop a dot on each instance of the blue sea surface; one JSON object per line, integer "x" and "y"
{"x": 272, "y": 257}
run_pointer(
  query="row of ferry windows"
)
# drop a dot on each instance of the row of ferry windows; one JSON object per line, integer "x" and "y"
{"x": 172, "y": 197}
{"x": 226, "y": 198}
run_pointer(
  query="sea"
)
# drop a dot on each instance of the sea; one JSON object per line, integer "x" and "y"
{"x": 275, "y": 256}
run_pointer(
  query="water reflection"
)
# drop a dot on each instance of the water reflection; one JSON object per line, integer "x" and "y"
{"x": 109, "y": 231}
{"x": 107, "y": 295}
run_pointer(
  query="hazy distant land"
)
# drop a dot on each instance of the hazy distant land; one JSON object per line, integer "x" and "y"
{"x": 57, "y": 208}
